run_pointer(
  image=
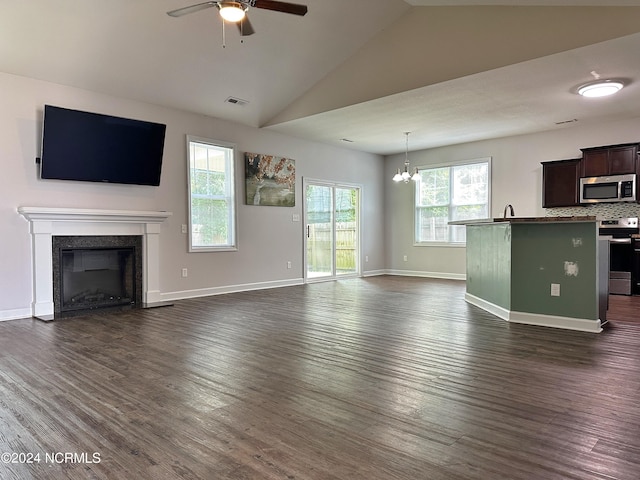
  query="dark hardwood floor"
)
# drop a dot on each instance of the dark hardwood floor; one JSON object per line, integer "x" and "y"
{"x": 382, "y": 378}
{"x": 623, "y": 308}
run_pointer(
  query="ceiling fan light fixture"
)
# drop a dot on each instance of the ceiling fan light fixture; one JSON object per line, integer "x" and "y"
{"x": 232, "y": 11}
{"x": 600, "y": 88}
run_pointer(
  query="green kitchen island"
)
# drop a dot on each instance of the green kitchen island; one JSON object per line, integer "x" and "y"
{"x": 550, "y": 271}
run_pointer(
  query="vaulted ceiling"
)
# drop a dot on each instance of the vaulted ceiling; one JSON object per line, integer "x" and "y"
{"x": 354, "y": 73}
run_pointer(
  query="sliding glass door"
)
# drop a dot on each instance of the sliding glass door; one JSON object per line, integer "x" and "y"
{"x": 332, "y": 216}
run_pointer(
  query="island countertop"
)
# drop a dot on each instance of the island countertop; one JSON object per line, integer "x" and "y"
{"x": 481, "y": 221}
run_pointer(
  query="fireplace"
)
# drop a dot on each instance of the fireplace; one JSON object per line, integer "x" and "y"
{"x": 92, "y": 272}
{"x": 47, "y": 223}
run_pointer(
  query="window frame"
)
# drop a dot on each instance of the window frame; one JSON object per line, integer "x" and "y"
{"x": 450, "y": 165}
{"x": 232, "y": 211}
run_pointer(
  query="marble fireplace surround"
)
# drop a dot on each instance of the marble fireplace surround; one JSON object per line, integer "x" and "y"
{"x": 46, "y": 222}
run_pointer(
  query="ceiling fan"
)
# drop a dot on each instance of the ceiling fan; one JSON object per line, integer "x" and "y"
{"x": 236, "y": 11}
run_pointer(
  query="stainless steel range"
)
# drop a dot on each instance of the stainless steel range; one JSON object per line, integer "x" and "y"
{"x": 621, "y": 253}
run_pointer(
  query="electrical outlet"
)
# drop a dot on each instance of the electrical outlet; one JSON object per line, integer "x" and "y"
{"x": 405, "y": 258}
{"x": 184, "y": 228}
{"x": 366, "y": 258}
{"x": 295, "y": 217}
{"x": 288, "y": 264}
{"x": 185, "y": 272}
{"x": 555, "y": 289}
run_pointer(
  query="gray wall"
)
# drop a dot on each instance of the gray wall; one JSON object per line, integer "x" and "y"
{"x": 516, "y": 179}
{"x": 267, "y": 236}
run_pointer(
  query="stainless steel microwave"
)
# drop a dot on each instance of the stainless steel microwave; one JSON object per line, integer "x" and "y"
{"x": 614, "y": 188}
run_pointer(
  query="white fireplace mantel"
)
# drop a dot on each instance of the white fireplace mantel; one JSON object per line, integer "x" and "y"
{"x": 46, "y": 222}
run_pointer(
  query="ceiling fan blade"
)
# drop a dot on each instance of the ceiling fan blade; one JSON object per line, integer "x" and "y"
{"x": 285, "y": 7}
{"x": 245, "y": 27}
{"x": 191, "y": 9}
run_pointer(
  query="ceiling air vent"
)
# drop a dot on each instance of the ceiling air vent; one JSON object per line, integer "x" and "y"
{"x": 236, "y": 101}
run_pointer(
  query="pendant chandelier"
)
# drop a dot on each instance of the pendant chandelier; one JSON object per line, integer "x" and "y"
{"x": 405, "y": 176}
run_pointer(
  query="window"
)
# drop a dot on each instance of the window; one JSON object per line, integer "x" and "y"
{"x": 448, "y": 193}
{"x": 212, "y": 203}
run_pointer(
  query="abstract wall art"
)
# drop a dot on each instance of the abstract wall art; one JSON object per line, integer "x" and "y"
{"x": 270, "y": 180}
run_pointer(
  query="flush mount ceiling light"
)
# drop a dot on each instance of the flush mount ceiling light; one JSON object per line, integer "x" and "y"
{"x": 232, "y": 11}
{"x": 405, "y": 176}
{"x": 600, "y": 88}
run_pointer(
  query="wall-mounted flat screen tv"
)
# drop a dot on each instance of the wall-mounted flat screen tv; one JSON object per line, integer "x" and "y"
{"x": 92, "y": 147}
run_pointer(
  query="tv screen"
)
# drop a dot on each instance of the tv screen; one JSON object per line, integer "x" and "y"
{"x": 92, "y": 147}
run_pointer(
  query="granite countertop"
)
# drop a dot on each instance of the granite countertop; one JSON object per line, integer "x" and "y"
{"x": 482, "y": 221}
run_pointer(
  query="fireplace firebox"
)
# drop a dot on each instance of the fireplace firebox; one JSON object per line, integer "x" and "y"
{"x": 92, "y": 272}
{"x": 95, "y": 278}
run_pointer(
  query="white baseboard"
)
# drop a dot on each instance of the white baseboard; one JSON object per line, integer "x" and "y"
{"x": 22, "y": 313}
{"x": 492, "y": 308}
{"x": 374, "y": 273}
{"x": 419, "y": 273}
{"x": 159, "y": 297}
{"x": 554, "y": 321}
{"x": 15, "y": 314}
{"x": 579, "y": 324}
{"x": 568, "y": 323}
{"x": 205, "y": 292}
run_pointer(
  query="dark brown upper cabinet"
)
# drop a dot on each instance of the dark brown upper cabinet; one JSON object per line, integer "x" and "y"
{"x": 610, "y": 160}
{"x": 560, "y": 181}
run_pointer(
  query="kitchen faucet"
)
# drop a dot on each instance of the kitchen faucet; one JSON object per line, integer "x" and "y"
{"x": 510, "y": 207}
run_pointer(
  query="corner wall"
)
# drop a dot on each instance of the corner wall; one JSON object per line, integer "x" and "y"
{"x": 516, "y": 179}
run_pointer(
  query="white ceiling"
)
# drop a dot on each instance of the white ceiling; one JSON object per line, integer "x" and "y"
{"x": 319, "y": 76}
{"x": 552, "y": 3}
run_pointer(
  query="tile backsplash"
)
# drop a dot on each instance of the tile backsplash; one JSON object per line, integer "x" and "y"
{"x": 599, "y": 210}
